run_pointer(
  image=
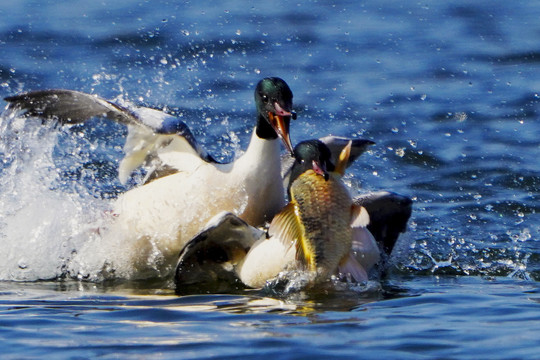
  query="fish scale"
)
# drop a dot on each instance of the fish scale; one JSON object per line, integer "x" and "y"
{"x": 324, "y": 209}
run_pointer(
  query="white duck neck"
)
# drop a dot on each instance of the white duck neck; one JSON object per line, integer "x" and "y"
{"x": 260, "y": 166}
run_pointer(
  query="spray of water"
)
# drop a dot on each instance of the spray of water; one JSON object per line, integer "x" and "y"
{"x": 41, "y": 228}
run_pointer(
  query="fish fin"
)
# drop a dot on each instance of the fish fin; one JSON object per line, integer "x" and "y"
{"x": 350, "y": 266}
{"x": 343, "y": 159}
{"x": 287, "y": 227}
{"x": 360, "y": 216}
{"x": 364, "y": 245}
{"x": 365, "y": 248}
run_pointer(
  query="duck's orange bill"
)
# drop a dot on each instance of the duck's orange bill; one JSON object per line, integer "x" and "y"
{"x": 281, "y": 127}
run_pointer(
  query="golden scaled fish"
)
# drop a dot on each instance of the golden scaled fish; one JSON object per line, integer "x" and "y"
{"x": 323, "y": 223}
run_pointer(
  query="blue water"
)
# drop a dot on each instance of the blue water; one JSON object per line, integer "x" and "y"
{"x": 448, "y": 91}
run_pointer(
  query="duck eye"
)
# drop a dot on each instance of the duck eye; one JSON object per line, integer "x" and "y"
{"x": 264, "y": 98}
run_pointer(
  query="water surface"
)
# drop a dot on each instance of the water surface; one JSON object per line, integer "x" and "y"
{"x": 448, "y": 91}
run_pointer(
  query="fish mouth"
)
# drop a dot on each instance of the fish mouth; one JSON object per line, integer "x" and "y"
{"x": 279, "y": 120}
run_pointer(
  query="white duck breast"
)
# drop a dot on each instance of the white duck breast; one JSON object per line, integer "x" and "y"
{"x": 185, "y": 187}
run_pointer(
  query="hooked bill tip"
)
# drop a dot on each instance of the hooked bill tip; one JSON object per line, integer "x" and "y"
{"x": 283, "y": 112}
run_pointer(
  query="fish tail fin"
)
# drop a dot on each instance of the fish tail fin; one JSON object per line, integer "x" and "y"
{"x": 350, "y": 266}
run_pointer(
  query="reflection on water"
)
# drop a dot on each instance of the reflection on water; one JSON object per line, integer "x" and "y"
{"x": 452, "y": 115}
{"x": 431, "y": 316}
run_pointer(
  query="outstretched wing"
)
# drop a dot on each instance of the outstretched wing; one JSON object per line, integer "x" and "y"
{"x": 150, "y": 130}
{"x": 68, "y": 106}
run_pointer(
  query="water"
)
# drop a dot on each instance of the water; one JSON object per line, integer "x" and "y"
{"x": 449, "y": 92}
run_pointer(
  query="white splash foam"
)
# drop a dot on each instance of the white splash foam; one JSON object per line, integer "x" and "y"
{"x": 49, "y": 232}
{"x": 40, "y": 228}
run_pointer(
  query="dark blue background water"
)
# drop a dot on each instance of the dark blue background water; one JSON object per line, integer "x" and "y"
{"x": 448, "y": 90}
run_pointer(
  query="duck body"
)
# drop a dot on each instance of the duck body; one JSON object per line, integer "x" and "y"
{"x": 185, "y": 187}
{"x": 165, "y": 213}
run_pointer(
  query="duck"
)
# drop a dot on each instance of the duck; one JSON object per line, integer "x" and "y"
{"x": 185, "y": 187}
{"x": 322, "y": 231}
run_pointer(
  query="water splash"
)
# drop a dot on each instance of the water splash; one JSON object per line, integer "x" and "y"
{"x": 40, "y": 227}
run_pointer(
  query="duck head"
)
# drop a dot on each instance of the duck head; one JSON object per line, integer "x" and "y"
{"x": 273, "y": 99}
{"x": 311, "y": 155}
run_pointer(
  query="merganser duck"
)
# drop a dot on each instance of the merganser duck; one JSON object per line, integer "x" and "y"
{"x": 321, "y": 230}
{"x": 186, "y": 187}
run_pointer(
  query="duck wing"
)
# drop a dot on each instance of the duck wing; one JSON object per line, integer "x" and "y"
{"x": 149, "y": 130}
{"x": 337, "y": 143}
{"x": 68, "y": 106}
{"x": 388, "y": 213}
{"x": 208, "y": 259}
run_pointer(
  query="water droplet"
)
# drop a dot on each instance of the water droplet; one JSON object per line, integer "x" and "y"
{"x": 460, "y": 116}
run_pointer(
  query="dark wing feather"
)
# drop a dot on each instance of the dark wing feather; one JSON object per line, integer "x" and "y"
{"x": 69, "y": 107}
{"x": 388, "y": 214}
{"x": 337, "y": 143}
